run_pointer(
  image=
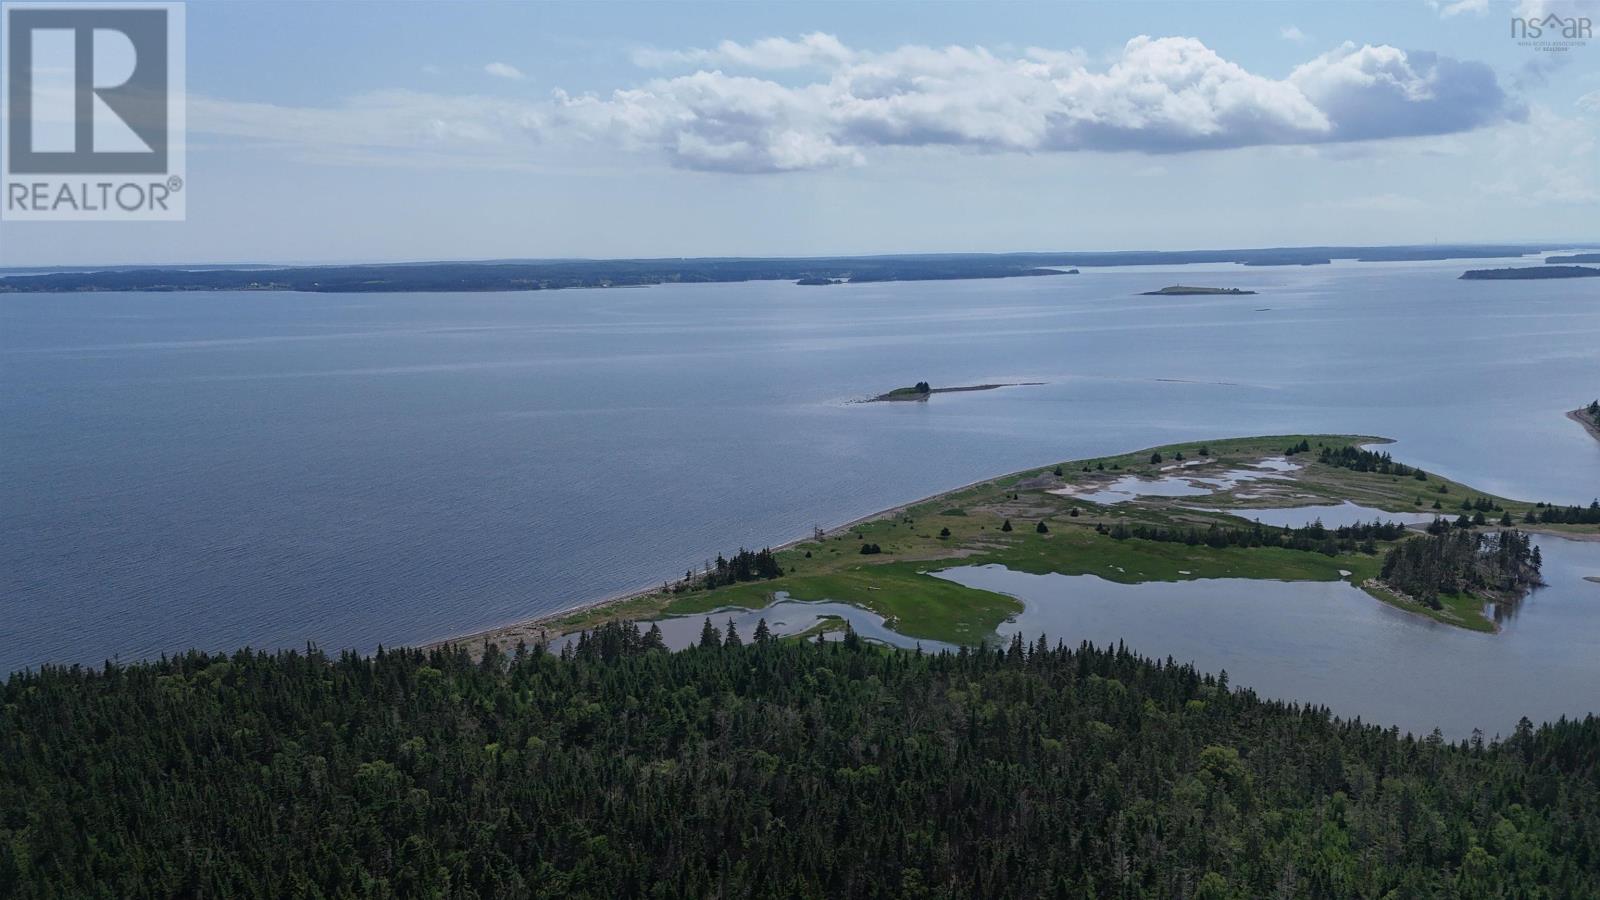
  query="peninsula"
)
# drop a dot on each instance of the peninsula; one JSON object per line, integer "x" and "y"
{"x": 1529, "y": 273}
{"x": 1178, "y": 290}
{"x": 1107, "y": 516}
{"x": 1588, "y": 417}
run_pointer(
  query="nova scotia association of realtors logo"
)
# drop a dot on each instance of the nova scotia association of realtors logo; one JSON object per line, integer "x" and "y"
{"x": 92, "y": 106}
{"x": 1553, "y": 32}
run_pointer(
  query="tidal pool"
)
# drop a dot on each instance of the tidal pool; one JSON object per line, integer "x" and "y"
{"x": 1180, "y": 483}
{"x": 1334, "y": 516}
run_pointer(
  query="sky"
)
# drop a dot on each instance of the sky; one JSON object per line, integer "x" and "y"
{"x": 338, "y": 132}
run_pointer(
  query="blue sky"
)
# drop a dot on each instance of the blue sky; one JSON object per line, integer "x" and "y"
{"x": 379, "y": 131}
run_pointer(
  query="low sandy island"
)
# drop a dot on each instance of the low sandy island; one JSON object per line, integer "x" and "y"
{"x": 1581, "y": 416}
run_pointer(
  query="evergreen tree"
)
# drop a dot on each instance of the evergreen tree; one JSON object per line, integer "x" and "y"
{"x": 708, "y": 636}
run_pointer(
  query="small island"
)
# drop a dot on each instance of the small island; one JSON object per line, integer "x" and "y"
{"x": 818, "y": 281}
{"x": 922, "y": 391}
{"x": 1180, "y": 290}
{"x": 1527, "y": 273}
{"x": 1573, "y": 258}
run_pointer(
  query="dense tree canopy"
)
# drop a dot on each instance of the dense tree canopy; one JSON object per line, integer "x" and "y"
{"x": 1450, "y": 562}
{"x": 763, "y": 768}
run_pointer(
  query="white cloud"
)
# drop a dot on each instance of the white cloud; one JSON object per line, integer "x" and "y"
{"x": 1549, "y": 160}
{"x": 504, "y": 70}
{"x": 1454, "y": 8}
{"x": 1157, "y": 95}
{"x": 1292, "y": 33}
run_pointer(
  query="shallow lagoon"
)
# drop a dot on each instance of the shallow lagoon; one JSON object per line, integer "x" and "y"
{"x": 1331, "y": 644}
{"x": 1332, "y": 516}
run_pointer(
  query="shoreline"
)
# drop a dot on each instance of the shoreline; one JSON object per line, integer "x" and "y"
{"x": 531, "y": 627}
{"x": 1580, "y": 415}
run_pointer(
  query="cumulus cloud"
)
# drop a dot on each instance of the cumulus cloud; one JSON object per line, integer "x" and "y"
{"x": 504, "y": 70}
{"x": 1292, "y": 33}
{"x": 835, "y": 104}
{"x": 1159, "y": 95}
{"x": 1377, "y": 92}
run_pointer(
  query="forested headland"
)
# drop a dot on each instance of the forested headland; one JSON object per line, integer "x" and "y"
{"x": 1501, "y": 565}
{"x": 759, "y": 768}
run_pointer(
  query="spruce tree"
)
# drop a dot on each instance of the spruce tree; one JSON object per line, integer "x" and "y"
{"x": 708, "y": 636}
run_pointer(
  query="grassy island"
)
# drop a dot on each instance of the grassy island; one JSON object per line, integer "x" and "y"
{"x": 1180, "y": 290}
{"x": 1140, "y": 539}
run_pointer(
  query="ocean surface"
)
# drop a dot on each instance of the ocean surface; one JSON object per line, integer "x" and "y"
{"x": 270, "y": 469}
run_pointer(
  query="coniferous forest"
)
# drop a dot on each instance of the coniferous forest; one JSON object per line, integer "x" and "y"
{"x": 758, "y": 768}
{"x": 1453, "y": 561}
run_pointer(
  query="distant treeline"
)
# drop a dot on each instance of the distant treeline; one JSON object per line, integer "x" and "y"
{"x": 762, "y": 768}
{"x": 532, "y": 275}
{"x": 1316, "y": 537}
{"x": 1462, "y": 561}
{"x": 1549, "y": 514}
{"x": 1530, "y": 273}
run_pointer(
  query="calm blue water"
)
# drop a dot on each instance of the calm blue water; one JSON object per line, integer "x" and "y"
{"x": 1330, "y": 644}
{"x": 212, "y": 470}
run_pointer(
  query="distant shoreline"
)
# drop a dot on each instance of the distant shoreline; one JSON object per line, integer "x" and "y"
{"x": 554, "y": 274}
